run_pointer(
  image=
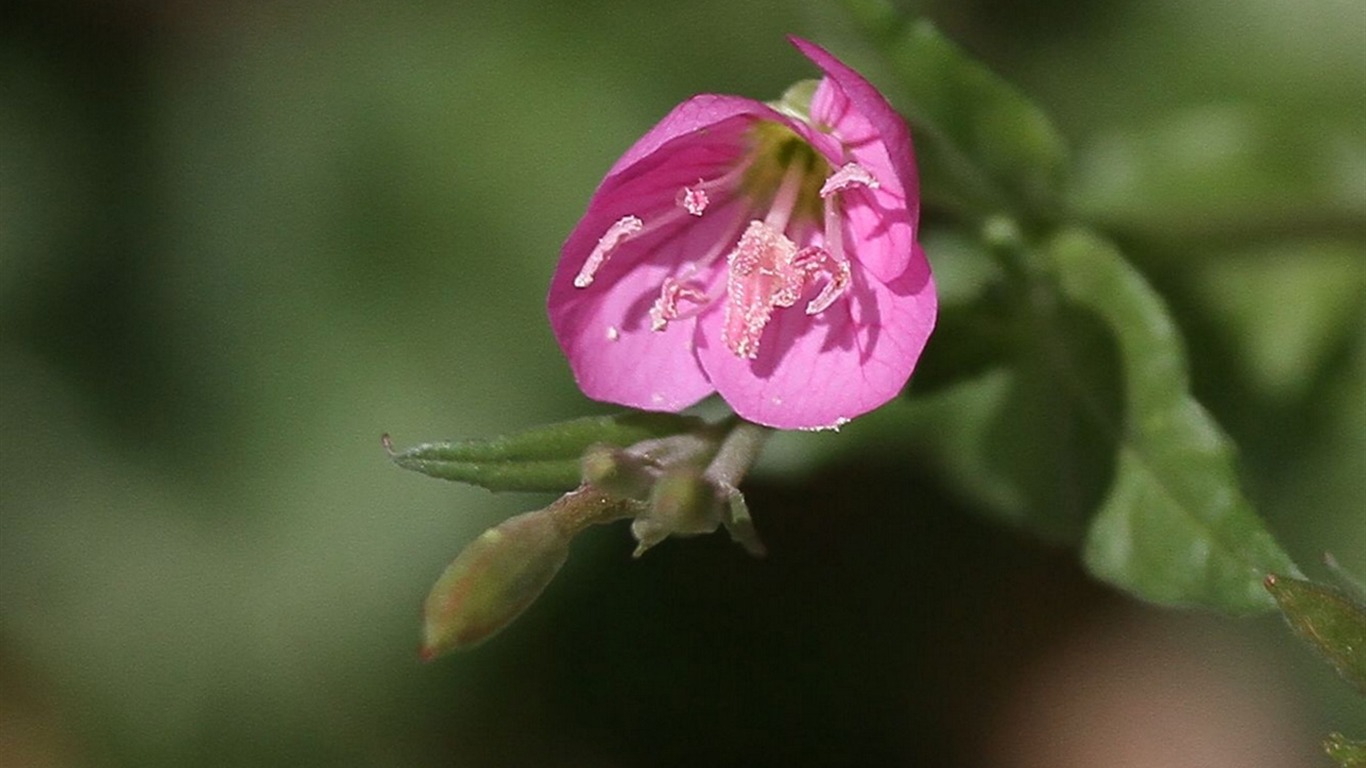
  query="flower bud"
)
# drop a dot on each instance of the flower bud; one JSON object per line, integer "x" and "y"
{"x": 491, "y": 582}
{"x": 616, "y": 472}
{"x": 683, "y": 502}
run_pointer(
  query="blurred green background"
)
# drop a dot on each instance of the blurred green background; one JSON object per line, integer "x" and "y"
{"x": 239, "y": 241}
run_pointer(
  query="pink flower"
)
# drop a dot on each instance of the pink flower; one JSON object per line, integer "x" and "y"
{"x": 764, "y": 255}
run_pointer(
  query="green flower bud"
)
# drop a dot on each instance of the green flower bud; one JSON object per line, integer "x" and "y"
{"x": 616, "y": 472}
{"x": 492, "y": 581}
{"x": 683, "y": 502}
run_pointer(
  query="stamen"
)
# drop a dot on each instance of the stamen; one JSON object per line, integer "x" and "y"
{"x": 694, "y": 199}
{"x": 816, "y": 261}
{"x": 691, "y": 201}
{"x": 785, "y": 200}
{"x": 624, "y": 228}
{"x": 666, "y": 306}
{"x": 762, "y": 276}
{"x": 850, "y": 175}
{"x": 728, "y": 180}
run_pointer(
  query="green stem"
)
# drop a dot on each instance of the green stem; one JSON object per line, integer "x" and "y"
{"x": 587, "y": 506}
{"x": 738, "y": 453}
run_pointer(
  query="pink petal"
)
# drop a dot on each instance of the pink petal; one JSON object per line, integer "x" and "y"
{"x": 818, "y": 372}
{"x": 621, "y": 361}
{"x": 875, "y": 137}
{"x": 699, "y": 113}
{"x": 604, "y": 328}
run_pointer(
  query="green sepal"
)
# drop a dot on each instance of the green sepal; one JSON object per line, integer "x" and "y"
{"x": 796, "y": 100}
{"x": 1347, "y": 753}
{"x": 682, "y": 503}
{"x": 540, "y": 459}
{"x": 740, "y": 524}
{"x": 1329, "y": 620}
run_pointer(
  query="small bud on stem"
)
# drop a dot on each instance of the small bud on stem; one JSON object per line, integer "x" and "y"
{"x": 500, "y": 573}
{"x": 682, "y": 503}
{"x": 679, "y": 485}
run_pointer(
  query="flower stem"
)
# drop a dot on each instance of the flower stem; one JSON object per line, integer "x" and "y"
{"x": 738, "y": 452}
{"x": 587, "y": 506}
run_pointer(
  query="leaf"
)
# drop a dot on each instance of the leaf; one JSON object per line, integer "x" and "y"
{"x": 1053, "y": 435}
{"x": 1037, "y": 451}
{"x": 980, "y": 143}
{"x": 1328, "y": 620}
{"x": 968, "y": 341}
{"x": 541, "y": 459}
{"x": 1033, "y": 444}
{"x": 1347, "y": 753}
{"x": 972, "y": 331}
{"x": 1175, "y": 527}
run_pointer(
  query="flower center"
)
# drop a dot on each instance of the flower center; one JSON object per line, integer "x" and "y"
{"x": 794, "y": 198}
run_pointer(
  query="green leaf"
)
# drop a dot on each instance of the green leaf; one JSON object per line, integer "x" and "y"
{"x": 1328, "y": 620}
{"x": 1031, "y": 437}
{"x": 981, "y": 145}
{"x": 1347, "y": 753}
{"x": 1175, "y": 527}
{"x": 972, "y": 332}
{"x": 968, "y": 341}
{"x": 540, "y": 459}
{"x": 1039, "y": 450}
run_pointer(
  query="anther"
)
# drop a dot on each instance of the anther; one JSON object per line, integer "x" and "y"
{"x": 850, "y": 175}
{"x": 666, "y": 306}
{"x": 762, "y": 276}
{"x": 615, "y": 235}
{"x": 694, "y": 199}
{"x": 837, "y": 279}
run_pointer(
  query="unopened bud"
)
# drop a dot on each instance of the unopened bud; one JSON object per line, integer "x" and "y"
{"x": 682, "y": 503}
{"x": 491, "y": 582}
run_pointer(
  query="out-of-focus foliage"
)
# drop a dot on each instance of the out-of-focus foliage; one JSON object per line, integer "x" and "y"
{"x": 971, "y": 124}
{"x": 1175, "y": 526}
{"x": 221, "y": 224}
{"x": 1347, "y": 753}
